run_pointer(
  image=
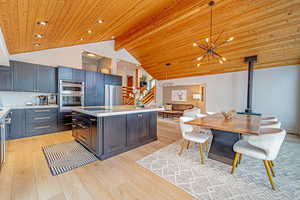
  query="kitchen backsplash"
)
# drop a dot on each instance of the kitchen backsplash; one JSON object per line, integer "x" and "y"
{"x": 19, "y": 98}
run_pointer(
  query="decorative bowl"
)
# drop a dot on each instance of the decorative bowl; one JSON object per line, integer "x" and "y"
{"x": 229, "y": 115}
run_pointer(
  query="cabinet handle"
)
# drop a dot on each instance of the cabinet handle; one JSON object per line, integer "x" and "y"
{"x": 68, "y": 115}
{"x": 81, "y": 126}
{"x": 42, "y": 111}
{"x": 38, "y": 118}
{"x": 140, "y": 115}
{"x": 93, "y": 120}
{"x": 41, "y": 127}
{"x": 67, "y": 124}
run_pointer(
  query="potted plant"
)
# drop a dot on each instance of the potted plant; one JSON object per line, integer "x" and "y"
{"x": 143, "y": 81}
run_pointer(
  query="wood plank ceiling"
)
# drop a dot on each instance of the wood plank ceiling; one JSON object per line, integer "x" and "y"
{"x": 161, "y": 32}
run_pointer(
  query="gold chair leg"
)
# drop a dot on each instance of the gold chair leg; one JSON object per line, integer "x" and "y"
{"x": 188, "y": 145}
{"x": 271, "y": 168}
{"x": 240, "y": 159}
{"x": 201, "y": 154}
{"x": 236, "y": 157}
{"x": 266, "y": 163}
{"x": 206, "y": 146}
{"x": 183, "y": 144}
{"x": 272, "y": 163}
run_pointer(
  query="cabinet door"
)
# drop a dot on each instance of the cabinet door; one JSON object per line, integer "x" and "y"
{"x": 116, "y": 80}
{"x": 143, "y": 123}
{"x": 114, "y": 134}
{"x": 65, "y": 73}
{"x": 24, "y": 76}
{"x": 90, "y": 88}
{"x": 5, "y": 78}
{"x": 99, "y": 89}
{"x": 132, "y": 130}
{"x": 78, "y": 75}
{"x": 17, "y": 126}
{"x": 46, "y": 79}
{"x": 153, "y": 124}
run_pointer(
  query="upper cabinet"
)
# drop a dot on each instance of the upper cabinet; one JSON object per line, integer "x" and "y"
{"x": 46, "y": 79}
{"x": 110, "y": 79}
{"x": 29, "y": 77}
{"x": 70, "y": 74}
{"x": 5, "y": 78}
{"x": 24, "y": 76}
{"x": 94, "y": 89}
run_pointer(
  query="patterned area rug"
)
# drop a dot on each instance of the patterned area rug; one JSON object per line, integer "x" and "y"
{"x": 67, "y": 156}
{"x": 213, "y": 180}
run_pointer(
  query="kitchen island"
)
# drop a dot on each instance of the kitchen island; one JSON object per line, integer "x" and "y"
{"x": 108, "y": 131}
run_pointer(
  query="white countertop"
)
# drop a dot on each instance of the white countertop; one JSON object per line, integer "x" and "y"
{"x": 5, "y": 110}
{"x": 115, "y": 110}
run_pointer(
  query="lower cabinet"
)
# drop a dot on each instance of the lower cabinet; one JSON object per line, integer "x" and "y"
{"x": 17, "y": 126}
{"x": 31, "y": 122}
{"x": 114, "y": 137}
{"x": 137, "y": 129}
{"x": 64, "y": 122}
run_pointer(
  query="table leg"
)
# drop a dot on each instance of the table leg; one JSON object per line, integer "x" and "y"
{"x": 221, "y": 148}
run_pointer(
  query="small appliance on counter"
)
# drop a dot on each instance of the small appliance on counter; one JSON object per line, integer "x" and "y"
{"x": 42, "y": 100}
{"x": 52, "y": 99}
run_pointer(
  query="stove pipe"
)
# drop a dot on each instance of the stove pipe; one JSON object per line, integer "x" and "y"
{"x": 251, "y": 60}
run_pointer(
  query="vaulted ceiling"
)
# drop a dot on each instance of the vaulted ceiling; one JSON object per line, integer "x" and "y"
{"x": 160, "y": 32}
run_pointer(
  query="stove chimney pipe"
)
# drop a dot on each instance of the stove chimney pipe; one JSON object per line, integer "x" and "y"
{"x": 251, "y": 60}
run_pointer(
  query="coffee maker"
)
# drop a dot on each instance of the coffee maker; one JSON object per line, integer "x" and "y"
{"x": 43, "y": 99}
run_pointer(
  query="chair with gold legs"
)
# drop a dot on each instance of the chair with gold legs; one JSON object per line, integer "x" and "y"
{"x": 189, "y": 135}
{"x": 264, "y": 147}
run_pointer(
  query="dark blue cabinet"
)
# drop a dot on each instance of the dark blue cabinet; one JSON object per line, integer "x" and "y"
{"x": 17, "y": 126}
{"x": 46, "y": 79}
{"x": 24, "y": 76}
{"x": 94, "y": 88}
{"x": 5, "y": 78}
{"x": 70, "y": 74}
{"x": 110, "y": 79}
{"x": 65, "y": 73}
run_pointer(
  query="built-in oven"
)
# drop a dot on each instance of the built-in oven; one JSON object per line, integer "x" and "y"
{"x": 71, "y": 94}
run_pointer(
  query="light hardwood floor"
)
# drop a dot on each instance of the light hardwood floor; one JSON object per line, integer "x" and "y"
{"x": 27, "y": 176}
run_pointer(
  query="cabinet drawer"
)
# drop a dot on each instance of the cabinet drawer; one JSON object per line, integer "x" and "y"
{"x": 41, "y": 111}
{"x": 40, "y": 128}
{"x": 43, "y": 118}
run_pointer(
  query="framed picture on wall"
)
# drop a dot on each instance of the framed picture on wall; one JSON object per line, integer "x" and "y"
{"x": 179, "y": 95}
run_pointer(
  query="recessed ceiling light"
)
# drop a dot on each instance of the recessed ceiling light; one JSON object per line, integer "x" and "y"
{"x": 39, "y": 35}
{"x": 44, "y": 23}
{"x": 100, "y": 21}
{"x": 168, "y": 64}
{"x": 89, "y": 31}
{"x": 81, "y": 39}
{"x": 91, "y": 54}
{"x": 112, "y": 37}
{"x": 37, "y": 44}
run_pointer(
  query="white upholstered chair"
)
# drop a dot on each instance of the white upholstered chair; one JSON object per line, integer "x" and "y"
{"x": 190, "y": 135}
{"x": 264, "y": 147}
{"x": 269, "y": 119}
{"x": 191, "y": 112}
{"x": 270, "y": 124}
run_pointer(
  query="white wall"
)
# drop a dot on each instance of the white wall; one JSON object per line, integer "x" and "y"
{"x": 4, "y": 55}
{"x": 71, "y": 56}
{"x": 276, "y": 92}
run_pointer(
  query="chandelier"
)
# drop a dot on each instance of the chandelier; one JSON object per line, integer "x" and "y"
{"x": 210, "y": 47}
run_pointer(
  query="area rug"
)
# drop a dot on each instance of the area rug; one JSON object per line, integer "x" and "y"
{"x": 213, "y": 181}
{"x": 67, "y": 156}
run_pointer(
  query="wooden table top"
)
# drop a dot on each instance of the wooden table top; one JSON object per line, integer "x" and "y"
{"x": 245, "y": 124}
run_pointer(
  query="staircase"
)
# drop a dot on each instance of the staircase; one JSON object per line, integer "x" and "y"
{"x": 147, "y": 96}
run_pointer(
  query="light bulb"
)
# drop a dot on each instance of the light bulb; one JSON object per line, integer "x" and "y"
{"x": 195, "y": 44}
{"x": 220, "y": 61}
{"x": 230, "y": 39}
{"x": 224, "y": 59}
{"x": 199, "y": 58}
{"x": 207, "y": 39}
{"x": 198, "y": 65}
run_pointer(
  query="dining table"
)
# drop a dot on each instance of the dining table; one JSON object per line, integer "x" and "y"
{"x": 226, "y": 132}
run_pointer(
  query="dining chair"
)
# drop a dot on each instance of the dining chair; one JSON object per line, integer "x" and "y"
{"x": 264, "y": 147}
{"x": 269, "y": 119}
{"x": 191, "y": 112}
{"x": 190, "y": 135}
{"x": 270, "y": 124}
